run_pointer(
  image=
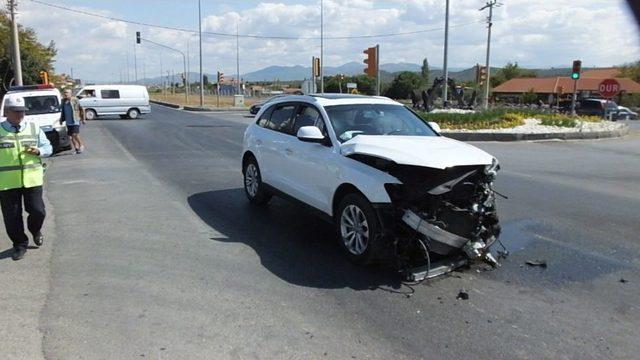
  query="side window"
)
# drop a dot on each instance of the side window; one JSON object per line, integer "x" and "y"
{"x": 307, "y": 116}
{"x": 281, "y": 118}
{"x": 110, "y": 94}
{"x": 264, "y": 118}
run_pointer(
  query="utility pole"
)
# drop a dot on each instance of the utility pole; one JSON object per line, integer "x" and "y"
{"x": 238, "y": 57}
{"x": 490, "y": 4}
{"x": 377, "y": 70}
{"x": 17, "y": 65}
{"x": 321, "y": 46}
{"x": 446, "y": 48}
{"x": 200, "y": 39}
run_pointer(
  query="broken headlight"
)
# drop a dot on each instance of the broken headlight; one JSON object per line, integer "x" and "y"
{"x": 492, "y": 170}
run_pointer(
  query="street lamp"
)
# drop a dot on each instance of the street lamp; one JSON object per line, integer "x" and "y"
{"x": 184, "y": 62}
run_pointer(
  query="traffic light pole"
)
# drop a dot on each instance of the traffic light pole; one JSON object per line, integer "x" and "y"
{"x": 446, "y": 47}
{"x": 573, "y": 97}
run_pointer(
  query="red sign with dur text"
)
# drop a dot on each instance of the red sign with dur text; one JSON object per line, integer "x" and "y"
{"x": 609, "y": 88}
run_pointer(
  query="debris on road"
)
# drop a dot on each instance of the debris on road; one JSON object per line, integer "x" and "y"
{"x": 538, "y": 263}
{"x": 462, "y": 295}
{"x": 623, "y": 280}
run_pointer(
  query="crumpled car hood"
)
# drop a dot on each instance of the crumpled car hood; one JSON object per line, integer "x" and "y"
{"x": 430, "y": 151}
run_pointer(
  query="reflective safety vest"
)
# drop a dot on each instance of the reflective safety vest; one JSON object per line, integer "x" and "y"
{"x": 17, "y": 168}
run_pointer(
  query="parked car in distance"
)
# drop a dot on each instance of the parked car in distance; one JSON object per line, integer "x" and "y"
{"x": 624, "y": 113}
{"x": 258, "y": 104}
{"x": 127, "y": 101}
{"x": 596, "y": 107}
{"x": 43, "y": 102}
{"x": 383, "y": 176}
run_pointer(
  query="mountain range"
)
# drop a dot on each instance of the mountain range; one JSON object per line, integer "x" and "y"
{"x": 388, "y": 71}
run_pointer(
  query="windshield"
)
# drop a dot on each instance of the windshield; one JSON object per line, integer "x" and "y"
{"x": 349, "y": 121}
{"x": 45, "y": 104}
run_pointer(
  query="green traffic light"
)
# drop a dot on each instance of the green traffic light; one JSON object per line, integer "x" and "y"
{"x": 575, "y": 76}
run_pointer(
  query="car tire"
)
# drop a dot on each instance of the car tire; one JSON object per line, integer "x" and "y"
{"x": 254, "y": 188}
{"x": 90, "y": 114}
{"x": 54, "y": 139}
{"x": 358, "y": 229}
{"x": 133, "y": 113}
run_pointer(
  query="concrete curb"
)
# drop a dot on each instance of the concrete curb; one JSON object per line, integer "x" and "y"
{"x": 479, "y": 136}
{"x": 197, "y": 108}
{"x": 175, "y": 106}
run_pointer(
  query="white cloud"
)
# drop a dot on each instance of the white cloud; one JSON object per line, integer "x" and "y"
{"x": 600, "y": 32}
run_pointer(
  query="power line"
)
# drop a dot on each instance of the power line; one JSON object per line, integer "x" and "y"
{"x": 273, "y": 37}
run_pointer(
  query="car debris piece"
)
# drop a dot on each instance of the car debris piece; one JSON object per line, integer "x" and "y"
{"x": 462, "y": 295}
{"x": 538, "y": 263}
{"x": 623, "y": 280}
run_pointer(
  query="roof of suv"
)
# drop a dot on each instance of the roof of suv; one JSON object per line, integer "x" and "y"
{"x": 337, "y": 99}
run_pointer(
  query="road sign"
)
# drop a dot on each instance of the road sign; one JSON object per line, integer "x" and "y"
{"x": 609, "y": 88}
{"x": 352, "y": 85}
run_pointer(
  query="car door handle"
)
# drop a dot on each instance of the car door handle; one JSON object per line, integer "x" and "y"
{"x": 288, "y": 151}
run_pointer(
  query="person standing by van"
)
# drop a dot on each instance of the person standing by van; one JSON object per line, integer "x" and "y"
{"x": 73, "y": 114}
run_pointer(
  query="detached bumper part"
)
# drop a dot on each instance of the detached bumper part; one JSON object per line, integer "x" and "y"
{"x": 443, "y": 242}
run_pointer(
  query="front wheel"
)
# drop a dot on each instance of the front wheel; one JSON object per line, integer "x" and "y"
{"x": 90, "y": 114}
{"x": 253, "y": 186}
{"x": 358, "y": 229}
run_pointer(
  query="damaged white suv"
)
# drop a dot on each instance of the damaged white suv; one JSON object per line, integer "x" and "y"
{"x": 387, "y": 180}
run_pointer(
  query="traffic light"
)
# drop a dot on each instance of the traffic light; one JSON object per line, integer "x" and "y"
{"x": 137, "y": 37}
{"x": 575, "y": 71}
{"x": 371, "y": 61}
{"x": 44, "y": 76}
{"x": 220, "y": 77}
{"x": 316, "y": 66}
{"x": 481, "y": 74}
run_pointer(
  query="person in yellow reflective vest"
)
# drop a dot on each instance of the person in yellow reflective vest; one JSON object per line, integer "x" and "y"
{"x": 22, "y": 145}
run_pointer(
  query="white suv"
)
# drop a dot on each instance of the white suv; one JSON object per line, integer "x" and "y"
{"x": 389, "y": 181}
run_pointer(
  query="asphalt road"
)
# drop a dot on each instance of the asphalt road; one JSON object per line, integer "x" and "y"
{"x": 158, "y": 255}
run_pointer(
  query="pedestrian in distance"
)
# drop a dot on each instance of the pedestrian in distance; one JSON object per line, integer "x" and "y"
{"x": 73, "y": 114}
{"x": 22, "y": 146}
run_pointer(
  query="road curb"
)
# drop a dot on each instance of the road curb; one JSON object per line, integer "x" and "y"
{"x": 479, "y": 136}
{"x": 171, "y": 105}
{"x": 203, "y": 109}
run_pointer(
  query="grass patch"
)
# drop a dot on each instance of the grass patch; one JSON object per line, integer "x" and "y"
{"x": 502, "y": 119}
{"x": 489, "y": 119}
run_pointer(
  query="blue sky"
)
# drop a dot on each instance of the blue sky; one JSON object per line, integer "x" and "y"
{"x": 532, "y": 32}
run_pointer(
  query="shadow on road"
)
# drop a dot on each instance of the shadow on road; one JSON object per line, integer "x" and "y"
{"x": 291, "y": 242}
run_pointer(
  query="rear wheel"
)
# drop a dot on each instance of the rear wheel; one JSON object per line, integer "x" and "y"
{"x": 358, "y": 229}
{"x": 133, "y": 113}
{"x": 253, "y": 186}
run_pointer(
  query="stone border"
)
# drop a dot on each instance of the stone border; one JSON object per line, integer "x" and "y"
{"x": 197, "y": 108}
{"x": 175, "y": 106}
{"x": 479, "y": 136}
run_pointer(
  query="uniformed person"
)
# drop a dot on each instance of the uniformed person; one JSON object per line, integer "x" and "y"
{"x": 22, "y": 145}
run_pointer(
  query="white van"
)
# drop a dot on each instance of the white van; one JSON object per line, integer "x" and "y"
{"x": 128, "y": 101}
{"x": 43, "y": 102}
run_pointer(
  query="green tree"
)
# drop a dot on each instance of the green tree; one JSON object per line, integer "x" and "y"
{"x": 34, "y": 56}
{"x": 529, "y": 97}
{"x": 631, "y": 70}
{"x": 424, "y": 71}
{"x": 366, "y": 84}
{"x": 403, "y": 84}
{"x": 508, "y": 72}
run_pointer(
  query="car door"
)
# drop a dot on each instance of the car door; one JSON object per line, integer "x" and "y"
{"x": 310, "y": 162}
{"x": 110, "y": 102}
{"x": 273, "y": 136}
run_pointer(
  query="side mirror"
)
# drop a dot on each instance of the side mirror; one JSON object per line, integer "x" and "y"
{"x": 435, "y": 126}
{"x": 80, "y": 96}
{"x": 310, "y": 134}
